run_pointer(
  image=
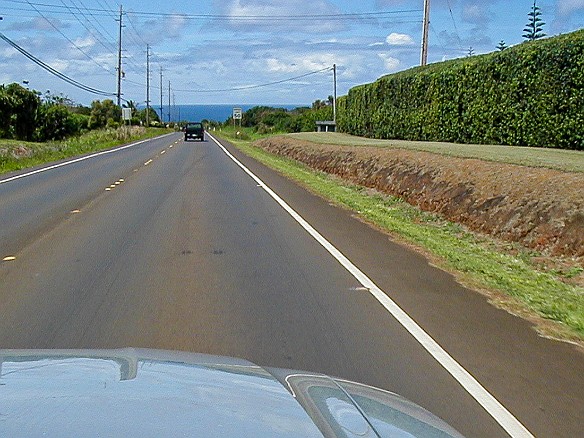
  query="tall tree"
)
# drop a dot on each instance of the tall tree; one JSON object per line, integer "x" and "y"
{"x": 501, "y": 46}
{"x": 534, "y": 28}
{"x": 104, "y": 113}
{"x": 470, "y": 52}
{"x": 22, "y": 105}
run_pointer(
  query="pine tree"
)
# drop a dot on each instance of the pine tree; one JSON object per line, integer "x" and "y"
{"x": 534, "y": 28}
{"x": 470, "y": 52}
{"x": 501, "y": 46}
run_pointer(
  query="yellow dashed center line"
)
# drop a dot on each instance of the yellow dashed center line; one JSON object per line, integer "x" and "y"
{"x": 147, "y": 162}
{"x": 8, "y": 258}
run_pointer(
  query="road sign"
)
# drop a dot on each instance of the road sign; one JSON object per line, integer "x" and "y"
{"x": 237, "y": 114}
{"x": 127, "y": 113}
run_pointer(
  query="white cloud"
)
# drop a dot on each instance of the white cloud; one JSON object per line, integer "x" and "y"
{"x": 376, "y": 44}
{"x": 38, "y": 24}
{"x": 85, "y": 43}
{"x": 567, "y": 7}
{"x": 301, "y": 64}
{"x": 399, "y": 39}
{"x": 172, "y": 27}
{"x": 390, "y": 63}
{"x": 474, "y": 13}
{"x": 251, "y": 15}
{"x": 60, "y": 65}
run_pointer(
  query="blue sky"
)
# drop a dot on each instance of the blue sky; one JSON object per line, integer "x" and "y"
{"x": 225, "y": 44}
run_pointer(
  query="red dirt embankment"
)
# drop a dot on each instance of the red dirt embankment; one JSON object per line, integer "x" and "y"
{"x": 540, "y": 208}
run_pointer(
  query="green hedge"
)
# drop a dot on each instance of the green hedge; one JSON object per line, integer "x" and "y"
{"x": 531, "y": 94}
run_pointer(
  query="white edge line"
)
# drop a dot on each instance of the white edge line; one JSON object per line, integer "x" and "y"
{"x": 76, "y": 160}
{"x": 499, "y": 413}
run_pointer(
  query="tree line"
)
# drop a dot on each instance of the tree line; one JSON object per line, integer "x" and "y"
{"x": 31, "y": 116}
{"x": 266, "y": 119}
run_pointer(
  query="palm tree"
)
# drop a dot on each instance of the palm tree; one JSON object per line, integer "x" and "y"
{"x": 130, "y": 104}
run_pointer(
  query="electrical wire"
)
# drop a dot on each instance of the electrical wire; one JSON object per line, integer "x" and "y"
{"x": 300, "y": 17}
{"x": 112, "y": 38}
{"x": 70, "y": 41}
{"x": 251, "y": 87}
{"x": 136, "y": 30}
{"x": 92, "y": 33}
{"x": 54, "y": 71}
{"x": 454, "y": 24}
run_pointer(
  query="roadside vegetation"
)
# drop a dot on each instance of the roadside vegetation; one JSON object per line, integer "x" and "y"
{"x": 526, "y": 95}
{"x": 559, "y": 159}
{"x": 18, "y": 154}
{"x": 36, "y": 128}
{"x": 505, "y": 272}
{"x": 270, "y": 120}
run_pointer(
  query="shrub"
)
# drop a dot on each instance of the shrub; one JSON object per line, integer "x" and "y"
{"x": 531, "y": 94}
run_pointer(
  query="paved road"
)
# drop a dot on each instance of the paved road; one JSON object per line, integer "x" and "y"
{"x": 188, "y": 252}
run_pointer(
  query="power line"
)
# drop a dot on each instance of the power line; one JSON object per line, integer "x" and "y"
{"x": 287, "y": 17}
{"x": 251, "y": 87}
{"x": 54, "y": 71}
{"x": 70, "y": 41}
{"x": 85, "y": 26}
{"x": 136, "y": 30}
{"x": 112, "y": 48}
{"x": 109, "y": 38}
{"x": 107, "y": 8}
{"x": 454, "y": 24}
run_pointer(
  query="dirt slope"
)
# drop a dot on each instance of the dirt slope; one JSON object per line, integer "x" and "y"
{"x": 540, "y": 208}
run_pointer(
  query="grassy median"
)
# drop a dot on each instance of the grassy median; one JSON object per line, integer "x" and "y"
{"x": 509, "y": 278}
{"x": 18, "y": 155}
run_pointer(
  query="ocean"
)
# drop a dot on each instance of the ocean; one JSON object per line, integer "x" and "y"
{"x": 218, "y": 113}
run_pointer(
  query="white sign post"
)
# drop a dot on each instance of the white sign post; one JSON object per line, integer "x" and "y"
{"x": 237, "y": 115}
{"x": 127, "y": 114}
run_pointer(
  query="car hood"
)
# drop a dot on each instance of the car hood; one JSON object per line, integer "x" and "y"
{"x": 137, "y": 392}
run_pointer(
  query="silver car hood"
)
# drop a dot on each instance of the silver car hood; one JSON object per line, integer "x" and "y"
{"x": 137, "y": 392}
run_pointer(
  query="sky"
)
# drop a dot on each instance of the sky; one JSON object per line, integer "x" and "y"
{"x": 228, "y": 51}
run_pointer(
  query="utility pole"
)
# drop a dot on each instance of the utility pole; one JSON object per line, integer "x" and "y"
{"x": 147, "y": 85}
{"x": 120, "y": 59}
{"x": 425, "y": 28}
{"x": 335, "y": 94}
{"x": 161, "y": 118}
{"x": 168, "y": 101}
{"x": 174, "y": 108}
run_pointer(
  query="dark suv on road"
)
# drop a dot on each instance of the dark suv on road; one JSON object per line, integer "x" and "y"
{"x": 194, "y": 130}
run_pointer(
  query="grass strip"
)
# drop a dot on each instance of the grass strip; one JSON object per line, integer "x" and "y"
{"x": 558, "y": 159}
{"x": 474, "y": 259}
{"x": 17, "y": 155}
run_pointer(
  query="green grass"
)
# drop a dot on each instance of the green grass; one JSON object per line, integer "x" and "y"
{"x": 565, "y": 160}
{"x": 477, "y": 261}
{"x": 17, "y": 155}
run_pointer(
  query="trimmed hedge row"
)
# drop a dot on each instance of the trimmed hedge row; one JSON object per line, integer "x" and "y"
{"x": 531, "y": 94}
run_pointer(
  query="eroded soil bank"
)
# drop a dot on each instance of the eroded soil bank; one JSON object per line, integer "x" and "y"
{"x": 539, "y": 208}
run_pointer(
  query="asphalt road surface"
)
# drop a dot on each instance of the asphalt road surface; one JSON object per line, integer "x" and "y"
{"x": 172, "y": 245}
